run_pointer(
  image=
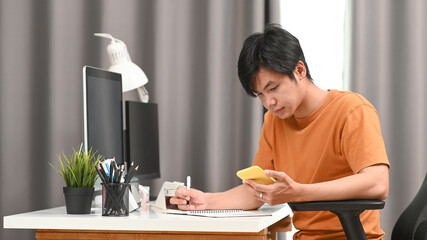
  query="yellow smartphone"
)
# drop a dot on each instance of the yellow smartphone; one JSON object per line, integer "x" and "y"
{"x": 256, "y": 174}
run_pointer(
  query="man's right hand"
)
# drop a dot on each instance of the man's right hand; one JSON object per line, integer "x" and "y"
{"x": 198, "y": 200}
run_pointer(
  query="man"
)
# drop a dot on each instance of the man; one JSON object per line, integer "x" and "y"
{"x": 318, "y": 145}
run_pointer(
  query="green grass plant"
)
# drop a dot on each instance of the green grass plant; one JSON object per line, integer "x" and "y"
{"x": 79, "y": 171}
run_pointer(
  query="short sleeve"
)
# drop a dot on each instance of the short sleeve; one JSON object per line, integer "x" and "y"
{"x": 362, "y": 142}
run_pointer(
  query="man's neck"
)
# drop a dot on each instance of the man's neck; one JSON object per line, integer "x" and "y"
{"x": 313, "y": 99}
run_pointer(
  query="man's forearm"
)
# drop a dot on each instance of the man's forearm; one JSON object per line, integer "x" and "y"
{"x": 235, "y": 198}
{"x": 370, "y": 183}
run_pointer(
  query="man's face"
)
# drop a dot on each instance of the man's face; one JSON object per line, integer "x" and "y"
{"x": 279, "y": 93}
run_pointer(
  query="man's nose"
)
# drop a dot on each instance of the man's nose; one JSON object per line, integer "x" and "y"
{"x": 271, "y": 101}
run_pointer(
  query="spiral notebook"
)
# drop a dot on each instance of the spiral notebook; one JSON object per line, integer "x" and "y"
{"x": 221, "y": 213}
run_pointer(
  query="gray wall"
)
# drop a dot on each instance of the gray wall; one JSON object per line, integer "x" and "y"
{"x": 208, "y": 126}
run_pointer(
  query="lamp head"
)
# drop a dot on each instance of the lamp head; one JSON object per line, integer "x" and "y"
{"x": 133, "y": 77}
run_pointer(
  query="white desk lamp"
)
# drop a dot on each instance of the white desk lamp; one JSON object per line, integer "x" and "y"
{"x": 132, "y": 76}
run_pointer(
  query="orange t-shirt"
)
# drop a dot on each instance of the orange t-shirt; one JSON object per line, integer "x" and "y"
{"x": 339, "y": 139}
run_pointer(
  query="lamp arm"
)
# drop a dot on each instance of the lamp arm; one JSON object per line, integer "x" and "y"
{"x": 143, "y": 94}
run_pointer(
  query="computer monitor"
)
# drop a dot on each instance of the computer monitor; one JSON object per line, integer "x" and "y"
{"x": 103, "y": 113}
{"x": 142, "y": 138}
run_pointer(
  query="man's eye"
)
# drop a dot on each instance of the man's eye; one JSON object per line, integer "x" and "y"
{"x": 273, "y": 88}
{"x": 258, "y": 94}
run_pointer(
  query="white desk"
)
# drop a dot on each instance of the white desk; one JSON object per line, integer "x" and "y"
{"x": 145, "y": 222}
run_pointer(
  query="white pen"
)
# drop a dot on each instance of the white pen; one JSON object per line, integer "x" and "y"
{"x": 188, "y": 187}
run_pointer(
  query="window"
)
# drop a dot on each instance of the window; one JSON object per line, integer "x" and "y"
{"x": 319, "y": 26}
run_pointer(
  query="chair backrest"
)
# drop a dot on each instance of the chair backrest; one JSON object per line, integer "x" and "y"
{"x": 412, "y": 223}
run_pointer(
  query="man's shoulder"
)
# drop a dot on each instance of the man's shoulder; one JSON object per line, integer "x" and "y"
{"x": 350, "y": 99}
{"x": 272, "y": 121}
{"x": 269, "y": 116}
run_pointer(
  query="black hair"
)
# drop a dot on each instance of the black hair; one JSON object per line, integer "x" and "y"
{"x": 275, "y": 49}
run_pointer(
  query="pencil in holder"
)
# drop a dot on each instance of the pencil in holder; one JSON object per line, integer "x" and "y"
{"x": 115, "y": 199}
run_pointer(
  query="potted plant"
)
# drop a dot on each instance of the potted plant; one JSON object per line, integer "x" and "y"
{"x": 79, "y": 174}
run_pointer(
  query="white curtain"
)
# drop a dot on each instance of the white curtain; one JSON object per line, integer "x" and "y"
{"x": 388, "y": 66}
{"x": 188, "y": 49}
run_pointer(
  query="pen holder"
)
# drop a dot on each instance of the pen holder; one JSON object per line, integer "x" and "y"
{"x": 115, "y": 199}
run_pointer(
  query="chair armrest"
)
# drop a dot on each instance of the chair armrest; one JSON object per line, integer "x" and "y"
{"x": 342, "y": 205}
{"x": 347, "y": 211}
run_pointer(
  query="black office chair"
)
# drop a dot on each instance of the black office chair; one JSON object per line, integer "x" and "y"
{"x": 411, "y": 225}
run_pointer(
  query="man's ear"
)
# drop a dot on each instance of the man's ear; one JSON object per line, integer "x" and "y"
{"x": 300, "y": 71}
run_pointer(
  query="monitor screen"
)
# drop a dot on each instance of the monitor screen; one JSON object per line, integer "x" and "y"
{"x": 142, "y": 138}
{"x": 102, "y": 113}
